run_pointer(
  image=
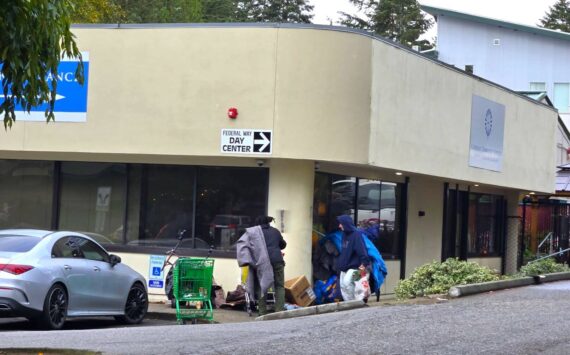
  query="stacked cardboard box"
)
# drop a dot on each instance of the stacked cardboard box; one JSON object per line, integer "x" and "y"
{"x": 299, "y": 291}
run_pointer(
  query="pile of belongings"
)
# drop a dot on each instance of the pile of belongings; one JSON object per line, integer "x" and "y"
{"x": 327, "y": 287}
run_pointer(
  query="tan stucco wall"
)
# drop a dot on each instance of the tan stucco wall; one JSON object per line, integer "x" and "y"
{"x": 421, "y": 116}
{"x": 291, "y": 191}
{"x": 424, "y": 233}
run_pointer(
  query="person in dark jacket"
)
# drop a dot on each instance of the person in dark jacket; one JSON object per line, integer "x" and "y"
{"x": 353, "y": 255}
{"x": 275, "y": 243}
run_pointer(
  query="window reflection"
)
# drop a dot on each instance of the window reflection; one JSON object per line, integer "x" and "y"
{"x": 92, "y": 200}
{"x": 227, "y": 202}
{"x": 378, "y": 206}
{"x": 483, "y": 226}
{"x": 26, "y": 188}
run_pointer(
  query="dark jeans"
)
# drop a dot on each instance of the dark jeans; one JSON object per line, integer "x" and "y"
{"x": 278, "y": 287}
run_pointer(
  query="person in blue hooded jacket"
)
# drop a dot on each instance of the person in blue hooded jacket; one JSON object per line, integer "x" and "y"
{"x": 353, "y": 255}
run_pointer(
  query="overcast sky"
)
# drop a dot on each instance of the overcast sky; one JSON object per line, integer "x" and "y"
{"x": 526, "y": 12}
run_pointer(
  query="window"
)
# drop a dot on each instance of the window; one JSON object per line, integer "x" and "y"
{"x": 562, "y": 97}
{"x": 378, "y": 205}
{"x": 93, "y": 200}
{"x": 484, "y": 225}
{"x": 537, "y": 86}
{"x": 17, "y": 243}
{"x": 91, "y": 250}
{"x": 26, "y": 188}
{"x": 228, "y": 200}
{"x": 166, "y": 195}
{"x": 66, "y": 247}
{"x": 132, "y": 204}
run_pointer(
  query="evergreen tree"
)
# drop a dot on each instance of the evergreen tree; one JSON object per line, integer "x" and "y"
{"x": 557, "y": 17}
{"x": 161, "y": 11}
{"x": 398, "y": 20}
{"x": 283, "y": 11}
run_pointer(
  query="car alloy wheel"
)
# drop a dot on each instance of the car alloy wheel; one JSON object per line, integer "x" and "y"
{"x": 55, "y": 308}
{"x": 136, "y": 306}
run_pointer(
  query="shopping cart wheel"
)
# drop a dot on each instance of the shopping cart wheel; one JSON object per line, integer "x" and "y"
{"x": 181, "y": 321}
{"x": 194, "y": 321}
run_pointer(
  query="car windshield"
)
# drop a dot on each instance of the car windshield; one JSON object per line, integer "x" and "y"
{"x": 17, "y": 243}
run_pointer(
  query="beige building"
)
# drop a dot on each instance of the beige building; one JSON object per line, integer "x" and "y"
{"x": 329, "y": 121}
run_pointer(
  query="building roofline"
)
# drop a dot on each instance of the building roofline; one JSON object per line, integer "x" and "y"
{"x": 437, "y": 11}
{"x": 120, "y": 26}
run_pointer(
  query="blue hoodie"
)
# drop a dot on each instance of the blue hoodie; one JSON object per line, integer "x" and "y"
{"x": 353, "y": 252}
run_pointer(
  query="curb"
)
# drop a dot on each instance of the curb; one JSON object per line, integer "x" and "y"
{"x": 308, "y": 311}
{"x": 465, "y": 290}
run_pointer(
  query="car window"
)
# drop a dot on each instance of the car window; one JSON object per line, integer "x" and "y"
{"x": 66, "y": 247}
{"x": 17, "y": 243}
{"x": 92, "y": 251}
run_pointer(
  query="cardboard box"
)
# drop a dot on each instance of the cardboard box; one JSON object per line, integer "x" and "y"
{"x": 299, "y": 291}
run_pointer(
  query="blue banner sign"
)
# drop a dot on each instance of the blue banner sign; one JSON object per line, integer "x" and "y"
{"x": 71, "y": 98}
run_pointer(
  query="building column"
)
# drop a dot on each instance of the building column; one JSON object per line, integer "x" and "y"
{"x": 513, "y": 232}
{"x": 291, "y": 185}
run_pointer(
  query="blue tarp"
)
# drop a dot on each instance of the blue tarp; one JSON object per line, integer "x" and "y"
{"x": 378, "y": 266}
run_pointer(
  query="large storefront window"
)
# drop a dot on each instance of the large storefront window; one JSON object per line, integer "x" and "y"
{"x": 92, "y": 200}
{"x": 167, "y": 205}
{"x": 484, "y": 223}
{"x": 137, "y": 205}
{"x": 228, "y": 201}
{"x": 474, "y": 225}
{"x": 371, "y": 203}
{"x": 26, "y": 188}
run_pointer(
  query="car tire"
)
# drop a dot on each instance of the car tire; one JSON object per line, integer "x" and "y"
{"x": 55, "y": 309}
{"x": 136, "y": 306}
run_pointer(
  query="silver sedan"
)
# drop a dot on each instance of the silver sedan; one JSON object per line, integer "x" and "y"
{"x": 50, "y": 276}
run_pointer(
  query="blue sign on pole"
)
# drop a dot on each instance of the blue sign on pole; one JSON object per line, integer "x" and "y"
{"x": 71, "y": 98}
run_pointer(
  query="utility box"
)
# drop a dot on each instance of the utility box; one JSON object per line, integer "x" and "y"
{"x": 299, "y": 291}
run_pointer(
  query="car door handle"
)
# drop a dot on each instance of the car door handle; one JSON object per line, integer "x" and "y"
{"x": 67, "y": 267}
{"x": 96, "y": 268}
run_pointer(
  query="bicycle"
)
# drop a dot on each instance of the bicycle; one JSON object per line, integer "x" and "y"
{"x": 168, "y": 286}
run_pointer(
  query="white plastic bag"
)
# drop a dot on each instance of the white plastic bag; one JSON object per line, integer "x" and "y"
{"x": 362, "y": 287}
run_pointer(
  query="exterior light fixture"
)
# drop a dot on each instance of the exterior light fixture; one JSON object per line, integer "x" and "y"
{"x": 476, "y": 185}
{"x": 398, "y": 173}
{"x": 531, "y": 193}
{"x": 232, "y": 113}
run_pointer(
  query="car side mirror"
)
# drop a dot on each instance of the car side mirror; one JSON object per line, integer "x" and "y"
{"x": 114, "y": 259}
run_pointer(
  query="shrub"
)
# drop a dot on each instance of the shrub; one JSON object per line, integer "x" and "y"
{"x": 544, "y": 266}
{"x": 438, "y": 277}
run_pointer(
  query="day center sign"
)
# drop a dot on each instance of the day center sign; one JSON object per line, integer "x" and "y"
{"x": 71, "y": 99}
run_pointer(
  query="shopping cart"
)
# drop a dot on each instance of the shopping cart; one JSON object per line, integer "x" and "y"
{"x": 192, "y": 281}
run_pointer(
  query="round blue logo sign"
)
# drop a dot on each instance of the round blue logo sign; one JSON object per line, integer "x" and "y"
{"x": 488, "y": 122}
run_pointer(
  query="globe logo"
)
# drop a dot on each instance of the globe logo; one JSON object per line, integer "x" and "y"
{"x": 488, "y": 122}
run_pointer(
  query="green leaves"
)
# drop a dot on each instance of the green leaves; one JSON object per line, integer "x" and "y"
{"x": 398, "y": 20}
{"x": 437, "y": 278}
{"x": 541, "y": 267}
{"x": 557, "y": 17}
{"x": 34, "y": 36}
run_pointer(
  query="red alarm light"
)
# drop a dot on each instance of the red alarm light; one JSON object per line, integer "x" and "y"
{"x": 232, "y": 112}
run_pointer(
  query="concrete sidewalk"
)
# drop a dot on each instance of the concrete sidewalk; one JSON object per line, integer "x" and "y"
{"x": 225, "y": 315}
{"x": 165, "y": 312}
